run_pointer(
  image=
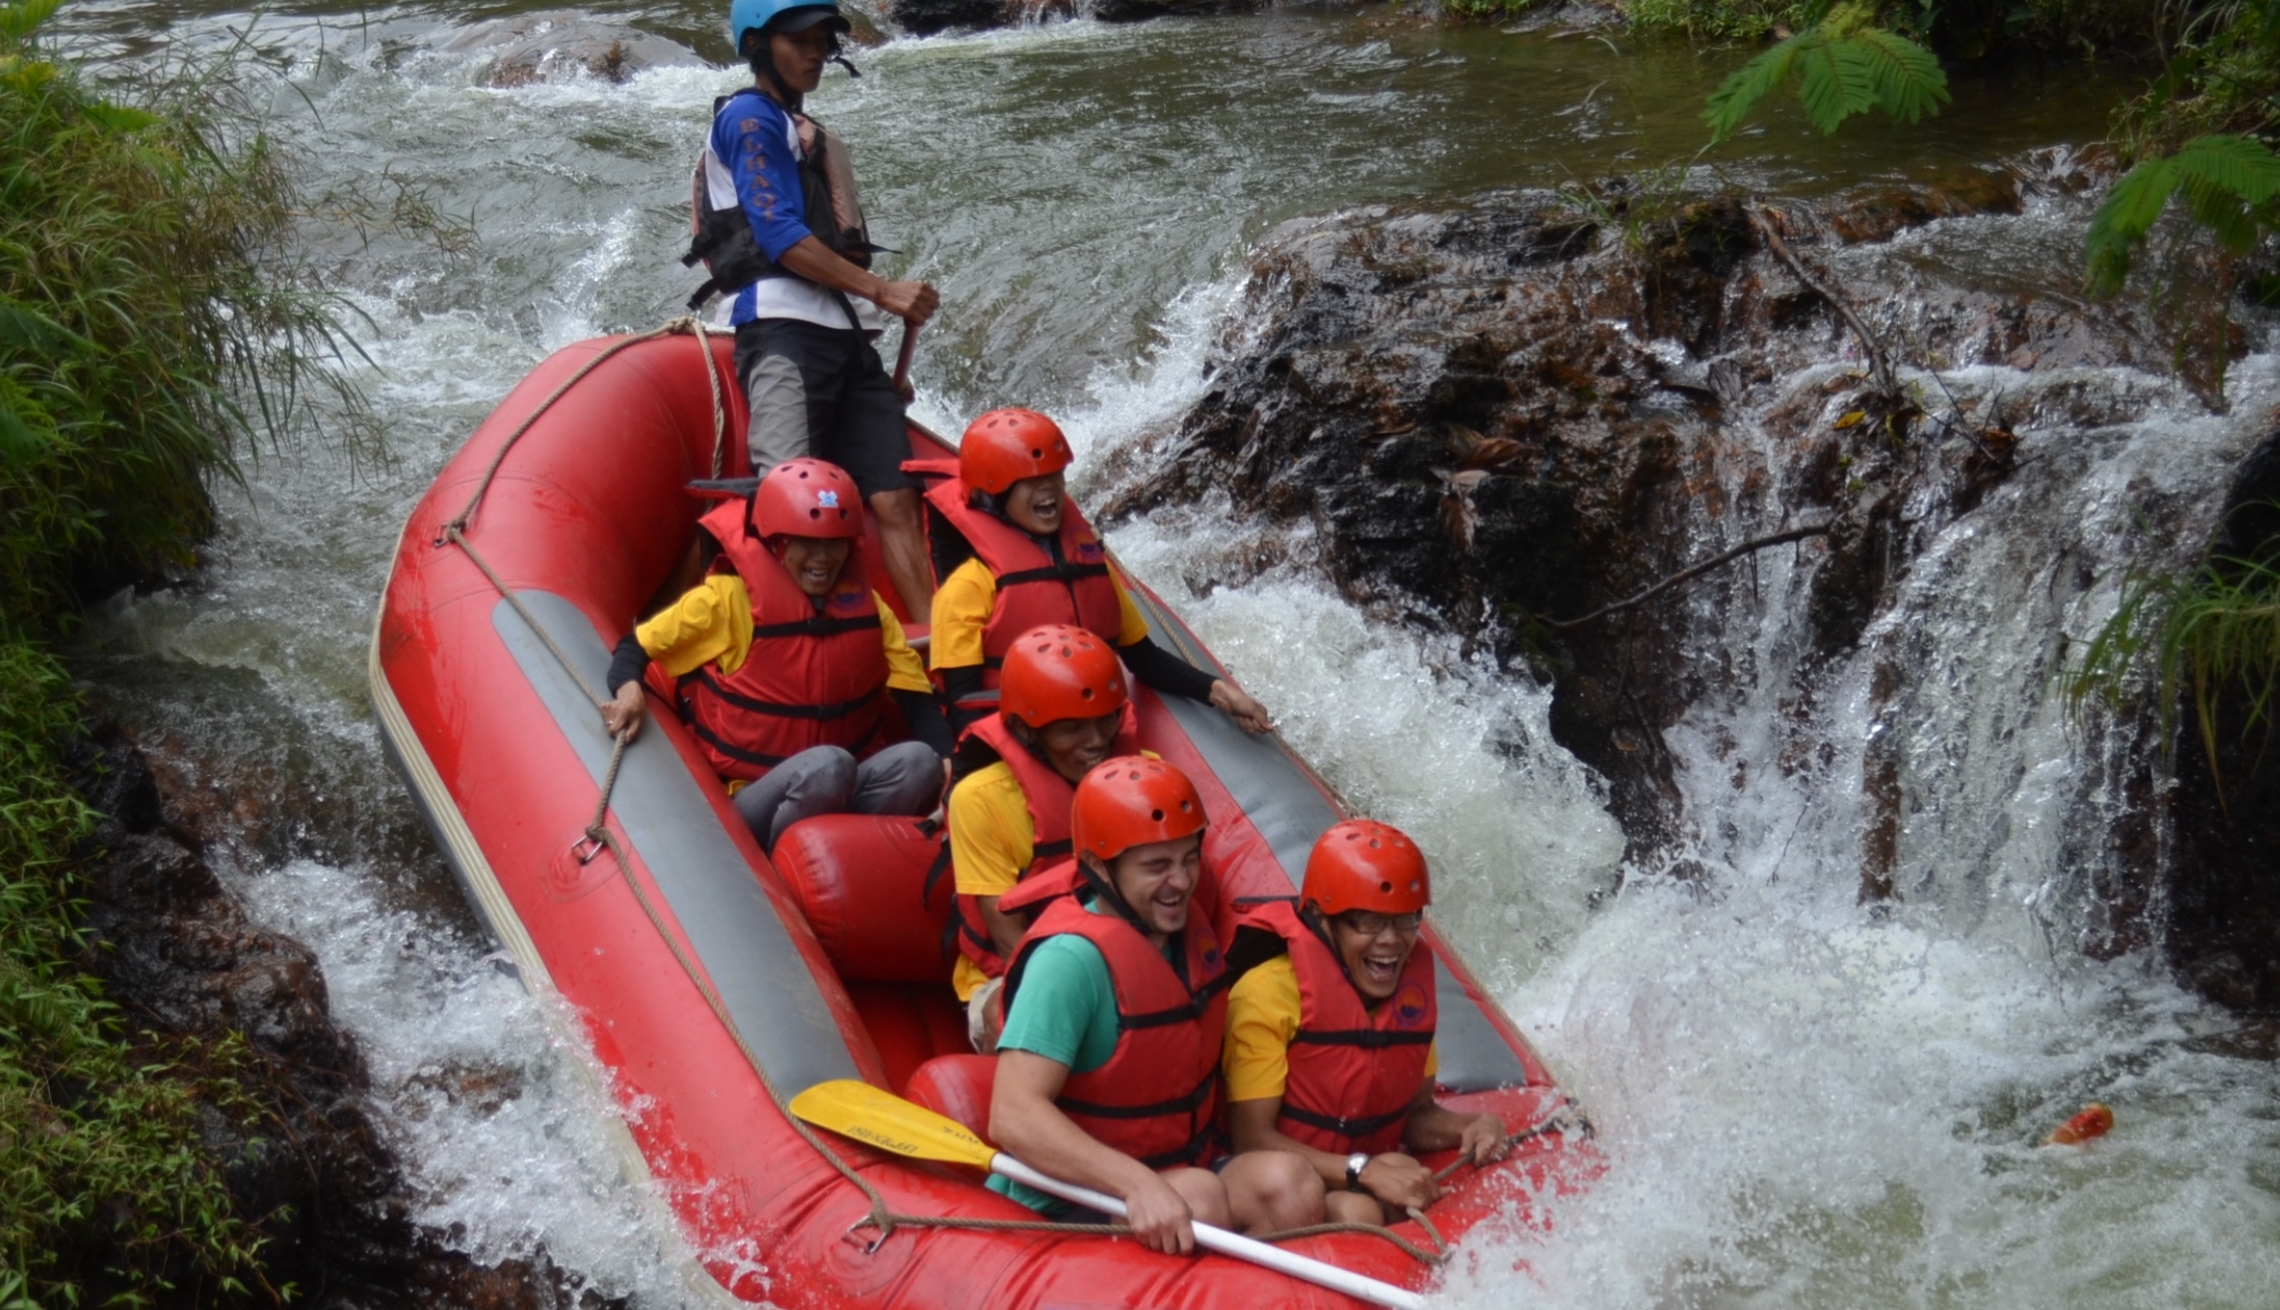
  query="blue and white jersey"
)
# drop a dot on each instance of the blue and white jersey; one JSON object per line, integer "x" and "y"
{"x": 752, "y": 160}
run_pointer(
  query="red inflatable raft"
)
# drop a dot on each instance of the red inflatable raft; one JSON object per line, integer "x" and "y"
{"x": 714, "y": 985}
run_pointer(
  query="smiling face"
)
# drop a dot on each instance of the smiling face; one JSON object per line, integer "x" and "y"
{"x": 800, "y": 55}
{"x": 1072, "y": 746}
{"x": 1374, "y": 947}
{"x": 1034, "y": 504}
{"x": 1158, "y": 880}
{"x": 815, "y": 562}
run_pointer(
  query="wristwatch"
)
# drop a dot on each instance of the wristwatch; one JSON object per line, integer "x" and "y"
{"x": 1355, "y": 1163}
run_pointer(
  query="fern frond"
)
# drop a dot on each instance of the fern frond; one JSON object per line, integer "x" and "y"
{"x": 2127, "y": 214}
{"x": 2243, "y": 166}
{"x": 1834, "y": 84}
{"x": 1752, "y": 82}
{"x": 1843, "y": 19}
{"x": 1906, "y": 77}
{"x": 2223, "y": 213}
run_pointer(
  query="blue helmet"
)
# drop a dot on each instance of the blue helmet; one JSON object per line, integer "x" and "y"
{"x": 748, "y": 15}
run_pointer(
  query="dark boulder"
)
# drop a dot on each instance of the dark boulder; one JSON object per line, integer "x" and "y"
{"x": 926, "y": 17}
{"x": 1515, "y": 413}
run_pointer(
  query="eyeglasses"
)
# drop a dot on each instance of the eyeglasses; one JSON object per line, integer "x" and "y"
{"x": 1364, "y": 923}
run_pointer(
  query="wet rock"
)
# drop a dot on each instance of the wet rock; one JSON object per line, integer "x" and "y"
{"x": 2224, "y": 889}
{"x": 555, "y": 46}
{"x": 1522, "y": 411}
{"x": 1132, "y": 11}
{"x": 303, "y": 1163}
{"x": 926, "y": 17}
{"x": 1882, "y": 213}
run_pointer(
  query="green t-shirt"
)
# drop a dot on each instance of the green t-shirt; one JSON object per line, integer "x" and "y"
{"x": 1066, "y": 1012}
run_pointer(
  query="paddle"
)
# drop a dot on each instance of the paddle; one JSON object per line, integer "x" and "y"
{"x": 902, "y": 361}
{"x": 890, "y": 1123}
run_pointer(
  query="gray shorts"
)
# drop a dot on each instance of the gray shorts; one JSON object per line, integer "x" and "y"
{"x": 822, "y": 391}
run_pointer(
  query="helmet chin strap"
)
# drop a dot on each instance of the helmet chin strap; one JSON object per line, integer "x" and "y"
{"x": 1103, "y": 885}
{"x": 784, "y": 92}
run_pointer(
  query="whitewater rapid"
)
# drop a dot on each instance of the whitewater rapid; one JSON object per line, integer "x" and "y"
{"x": 1804, "y": 1103}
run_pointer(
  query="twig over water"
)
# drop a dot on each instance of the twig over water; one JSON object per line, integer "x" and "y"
{"x": 1683, "y": 575}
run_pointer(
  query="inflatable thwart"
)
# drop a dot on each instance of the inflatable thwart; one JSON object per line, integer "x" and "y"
{"x": 714, "y": 984}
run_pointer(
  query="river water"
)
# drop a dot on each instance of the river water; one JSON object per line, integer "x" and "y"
{"x": 1804, "y": 1105}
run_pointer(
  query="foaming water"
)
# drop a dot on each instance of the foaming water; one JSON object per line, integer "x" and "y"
{"x": 1803, "y": 1107}
{"x": 1410, "y": 732}
{"x": 1804, "y": 1103}
{"x": 516, "y": 1144}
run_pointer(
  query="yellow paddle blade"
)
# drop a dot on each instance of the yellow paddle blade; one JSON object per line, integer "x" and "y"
{"x": 884, "y": 1120}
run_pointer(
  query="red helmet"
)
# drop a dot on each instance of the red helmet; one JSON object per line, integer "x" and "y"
{"x": 1361, "y": 864}
{"x": 1006, "y": 445}
{"x": 807, "y": 498}
{"x": 1131, "y": 800}
{"x": 1060, "y": 672}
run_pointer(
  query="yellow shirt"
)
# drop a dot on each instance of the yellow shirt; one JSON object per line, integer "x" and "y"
{"x": 1262, "y": 1017}
{"x": 962, "y": 605}
{"x": 712, "y": 623}
{"x": 991, "y": 842}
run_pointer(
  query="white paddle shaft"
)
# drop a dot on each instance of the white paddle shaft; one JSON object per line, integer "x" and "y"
{"x": 1226, "y": 1243}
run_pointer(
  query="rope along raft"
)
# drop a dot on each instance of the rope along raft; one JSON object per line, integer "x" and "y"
{"x": 599, "y": 837}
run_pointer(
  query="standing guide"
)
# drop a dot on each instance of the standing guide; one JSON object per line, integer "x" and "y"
{"x": 780, "y": 228}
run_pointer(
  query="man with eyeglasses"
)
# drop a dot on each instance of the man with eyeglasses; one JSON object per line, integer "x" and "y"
{"x": 1329, "y": 1049}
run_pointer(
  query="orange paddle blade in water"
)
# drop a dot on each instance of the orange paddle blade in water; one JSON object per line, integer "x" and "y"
{"x": 2094, "y": 1121}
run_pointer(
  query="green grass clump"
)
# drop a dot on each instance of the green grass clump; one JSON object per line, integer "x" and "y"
{"x": 2210, "y": 639}
{"x": 105, "y": 1194}
{"x": 150, "y": 318}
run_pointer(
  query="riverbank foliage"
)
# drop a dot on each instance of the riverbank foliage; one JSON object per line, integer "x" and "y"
{"x": 146, "y": 334}
{"x": 105, "y": 1194}
{"x": 151, "y": 326}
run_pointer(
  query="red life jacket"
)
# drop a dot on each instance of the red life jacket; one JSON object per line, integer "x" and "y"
{"x": 1049, "y": 798}
{"x": 1033, "y": 587}
{"x": 1157, "y": 1097}
{"x": 1354, "y": 1071}
{"x": 814, "y": 677}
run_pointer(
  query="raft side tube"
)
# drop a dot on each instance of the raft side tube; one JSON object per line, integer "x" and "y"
{"x": 763, "y": 978}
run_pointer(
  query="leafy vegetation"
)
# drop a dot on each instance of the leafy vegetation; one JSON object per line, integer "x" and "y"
{"x": 2211, "y": 639}
{"x": 153, "y": 325}
{"x": 151, "y": 321}
{"x": 103, "y": 1187}
{"x": 1724, "y": 20}
{"x": 2200, "y": 133}
{"x": 2228, "y": 184}
{"x": 1840, "y": 65}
